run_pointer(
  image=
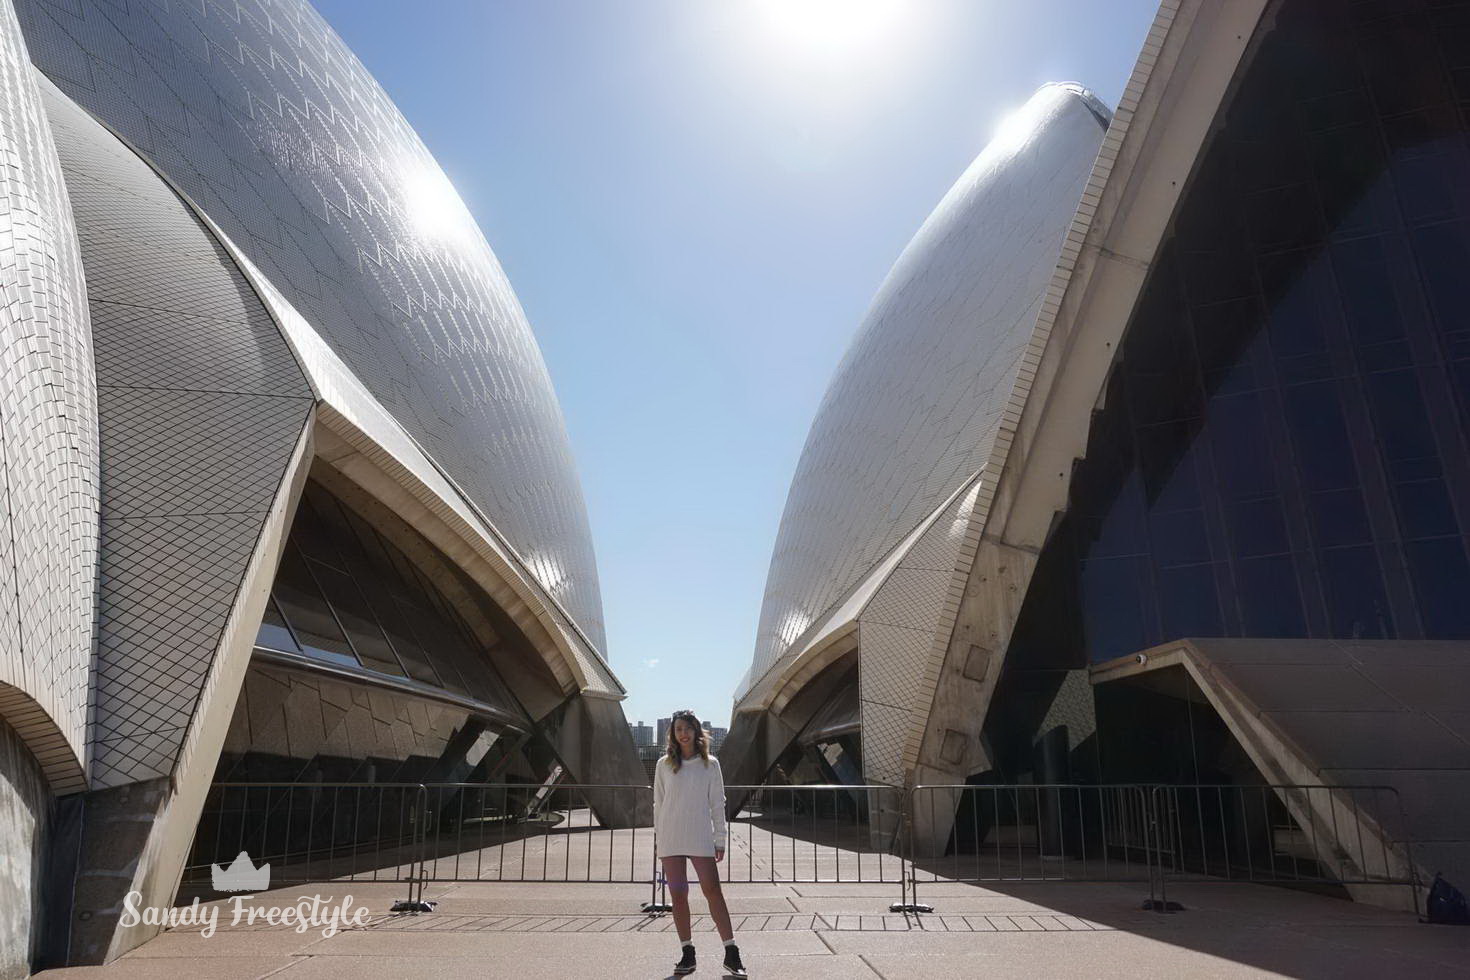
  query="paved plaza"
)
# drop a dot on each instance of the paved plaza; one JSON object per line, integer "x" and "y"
{"x": 489, "y": 928}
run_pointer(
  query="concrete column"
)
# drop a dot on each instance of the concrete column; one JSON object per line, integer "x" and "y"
{"x": 591, "y": 738}
{"x": 25, "y": 823}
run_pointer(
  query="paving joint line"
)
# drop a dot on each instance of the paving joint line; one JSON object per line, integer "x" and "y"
{"x": 296, "y": 960}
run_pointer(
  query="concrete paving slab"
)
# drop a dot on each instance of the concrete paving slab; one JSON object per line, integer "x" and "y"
{"x": 459, "y": 904}
{"x": 193, "y": 945}
{"x": 165, "y": 968}
{"x": 1283, "y": 903}
{"x": 998, "y": 904}
{"x": 577, "y": 963}
{"x": 1446, "y": 945}
{"x": 843, "y": 890}
{"x": 1120, "y": 954}
{"x": 1003, "y": 963}
{"x": 545, "y": 947}
{"x": 743, "y": 924}
{"x": 818, "y": 930}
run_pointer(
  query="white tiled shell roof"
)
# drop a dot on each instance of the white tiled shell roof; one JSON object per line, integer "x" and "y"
{"x": 262, "y": 116}
{"x": 908, "y": 416}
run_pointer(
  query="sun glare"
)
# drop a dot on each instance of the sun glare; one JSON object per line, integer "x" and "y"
{"x": 1018, "y": 126}
{"x": 434, "y": 208}
{"x": 829, "y": 29}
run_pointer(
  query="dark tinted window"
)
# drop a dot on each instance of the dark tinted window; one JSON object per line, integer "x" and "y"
{"x": 1280, "y": 449}
{"x": 1356, "y": 604}
{"x": 274, "y": 633}
{"x": 1442, "y": 577}
{"x": 352, "y": 597}
{"x": 300, "y": 600}
{"x": 357, "y": 619}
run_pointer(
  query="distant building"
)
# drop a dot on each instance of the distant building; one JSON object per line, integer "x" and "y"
{"x": 716, "y": 736}
{"x": 652, "y": 750}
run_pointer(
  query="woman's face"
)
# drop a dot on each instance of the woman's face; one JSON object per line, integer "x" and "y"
{"x": 684, "y": 734}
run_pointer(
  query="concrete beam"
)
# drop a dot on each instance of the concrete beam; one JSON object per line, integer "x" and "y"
{"x": 591, "y": 738}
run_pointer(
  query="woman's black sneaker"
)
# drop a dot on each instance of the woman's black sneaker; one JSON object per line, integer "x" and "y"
{"x": 685, "y": 966}
{"x": 733, "y": 966}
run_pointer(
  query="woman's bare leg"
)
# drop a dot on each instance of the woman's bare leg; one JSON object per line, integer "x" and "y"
{"x": 676, "y": 876}
{"x": 709, "y": 883}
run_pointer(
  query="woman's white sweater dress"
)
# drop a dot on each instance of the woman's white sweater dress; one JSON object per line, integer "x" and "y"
{"x": 689, "y": 807}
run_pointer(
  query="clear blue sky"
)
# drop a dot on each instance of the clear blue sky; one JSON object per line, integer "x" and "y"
{"x": 695, "y": 200}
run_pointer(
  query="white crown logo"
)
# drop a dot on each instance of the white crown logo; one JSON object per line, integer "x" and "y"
{"x": 241, "y": 876}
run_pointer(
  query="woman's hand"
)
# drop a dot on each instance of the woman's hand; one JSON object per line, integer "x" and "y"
{"x": 719, "y": 854}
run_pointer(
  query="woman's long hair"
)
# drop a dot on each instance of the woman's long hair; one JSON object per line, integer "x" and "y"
{"x": 701, "y": 741}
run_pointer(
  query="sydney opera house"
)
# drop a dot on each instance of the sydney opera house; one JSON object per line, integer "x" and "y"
{"x": 1148, "y": 463}
{"x": 287, "y": 491}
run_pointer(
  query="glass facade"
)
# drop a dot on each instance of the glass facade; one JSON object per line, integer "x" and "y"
{"x": 1282, "y": 447}
{"x": 348, "y": 596}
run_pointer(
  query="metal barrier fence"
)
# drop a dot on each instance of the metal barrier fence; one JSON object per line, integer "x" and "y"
{"x": 805, "y": 834}
{"x": 808, "y": 834}
{"x": 515, "y": 833}
{"x": 962, "y": 833}
{"x": 418, "y": 833}
{"x": 1353, "y": 837}
{"x": 296, "y": 833}
{"x": 413, "y": 833}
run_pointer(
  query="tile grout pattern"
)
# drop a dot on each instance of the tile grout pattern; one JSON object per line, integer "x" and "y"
{"x": 265, "y": 119}
{"x": 200, "y": 407}
{"x": 895, "y": 632}
{"x": 909, "y": 415}
{"x": 48, "y": 434}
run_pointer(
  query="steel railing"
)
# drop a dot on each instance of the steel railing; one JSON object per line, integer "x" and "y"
{"x": 1350, "y": 837}
{"x": 310, "y": 832}
{"x": 1354, "y": 838}
{"x": 570, "y": 832}
{"x": 1033, "y": 832}
{"x": 808, "y": 834}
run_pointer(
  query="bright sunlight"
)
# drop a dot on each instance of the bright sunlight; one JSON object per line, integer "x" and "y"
{"x": 830, "y": 30}
{"x": 434, "y": 208}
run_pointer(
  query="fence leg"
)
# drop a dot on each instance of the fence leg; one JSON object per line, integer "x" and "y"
{"x": 418, "y": 871}
{"x": 908, "y": 877}
{"x": 1153, "y": 856}
{"x": 902, "y": 905}
{"x": 658, "y": 900}
{"x": 657, "y": 903}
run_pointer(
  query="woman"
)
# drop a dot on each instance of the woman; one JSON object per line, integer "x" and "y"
{"x": 689, "y": 823}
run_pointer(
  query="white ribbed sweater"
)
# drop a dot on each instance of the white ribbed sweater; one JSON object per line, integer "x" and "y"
{"x": 689, "y": 807}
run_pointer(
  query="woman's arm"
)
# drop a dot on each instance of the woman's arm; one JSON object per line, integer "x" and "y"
{"x": 717, "y": 806}
{"x": 658, "y": 786}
